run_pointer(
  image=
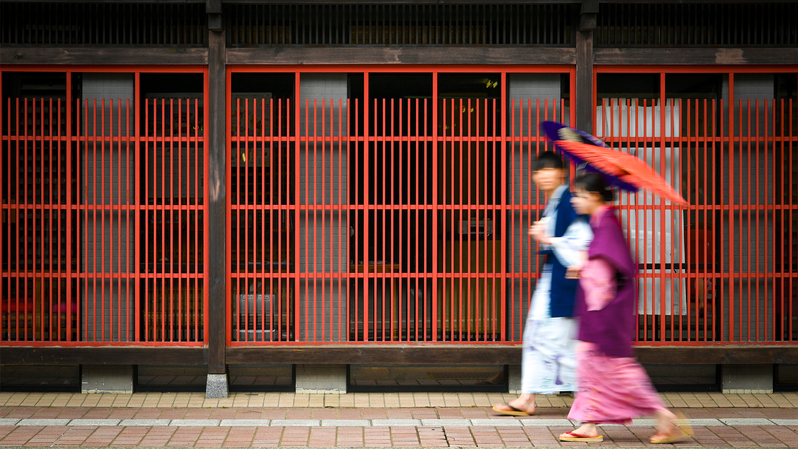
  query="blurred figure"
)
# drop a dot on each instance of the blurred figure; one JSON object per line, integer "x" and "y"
{"x": 548, "y": 354}
{"x": 613, "y": 386}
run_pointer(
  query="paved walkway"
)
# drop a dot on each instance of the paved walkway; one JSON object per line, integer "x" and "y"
{"x": 366, "y": 420}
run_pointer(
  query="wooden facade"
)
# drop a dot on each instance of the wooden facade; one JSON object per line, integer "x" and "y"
{"x": 221, "y": 41}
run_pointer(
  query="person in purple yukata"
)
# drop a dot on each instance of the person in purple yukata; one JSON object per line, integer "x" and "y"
{"x": 613, "y": 387}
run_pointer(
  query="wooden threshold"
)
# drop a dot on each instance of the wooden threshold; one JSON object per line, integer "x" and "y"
{"x": 104, "y": 356}
{"x": 421, "y": 354}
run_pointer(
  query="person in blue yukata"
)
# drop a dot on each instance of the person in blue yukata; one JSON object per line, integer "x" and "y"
{"x": 549, "y": 346}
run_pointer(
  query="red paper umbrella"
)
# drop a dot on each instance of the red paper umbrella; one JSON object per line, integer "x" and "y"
{"x": 625, "y": 167}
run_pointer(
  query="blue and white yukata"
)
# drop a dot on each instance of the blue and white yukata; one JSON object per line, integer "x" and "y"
{"x": 549, "y": 349}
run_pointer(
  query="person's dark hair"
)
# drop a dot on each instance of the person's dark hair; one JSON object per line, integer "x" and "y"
{"x": 594, "y": 182}
{"x": 548, "y": 159}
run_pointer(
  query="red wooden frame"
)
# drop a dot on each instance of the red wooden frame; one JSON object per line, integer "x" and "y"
{"x": 129, "y": 145}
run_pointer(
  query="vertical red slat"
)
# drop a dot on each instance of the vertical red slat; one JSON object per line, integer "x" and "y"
{"x": 23, "y": 220}
{"x": 311, "y": 301}
{"x": 18, "y": 213}
{"x": 366, "y": 201}
{"x": 758, "y": 206}
{"x": 434, "y": 189}
{"x": 751, "y": 262}
{"x": 676, "y": 284}
{"x": 717, "y": 304}
{"x": 730, "y": 209}
{"x": 281, "y": 211}
{"x": 231, "y": 310}
{"x": 264, "y": 212}
{"x": 162, "y": 213}
{"x": 134, "y": 209}
{"x": 501, "y": 291}
{"x": 122, "y": 212}
{"x": 53, "y": 207}
{"x": 199, "y": 255}
{"x": 720, "y": 200}
{"x": 242, "y": 186}
{"x": 5, "y": 211}
{"x": 91, "y": 205}
{"x": 13, "y": 143}
{"x": 740, "y": 223}
{"x": 356, "y": 226}
{"x": 768, "y": 276}
{"x": 790, "y": 243}
{"x": 148, "y": 213}
{"x": 343, "y": 148}
{"x": 393, "y": 259}
{"x": 180, "y": 210}
{"x": 297, "y": 194}
{"x": 422, "y": 218}
{"x": 784, "y": 201}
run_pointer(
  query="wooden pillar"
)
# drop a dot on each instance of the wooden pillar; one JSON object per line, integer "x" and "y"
{"x": 584, "y": 66}
{"x": 217, "y": 229}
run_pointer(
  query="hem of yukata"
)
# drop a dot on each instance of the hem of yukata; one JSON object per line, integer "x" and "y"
{"x": 547, "y": 392}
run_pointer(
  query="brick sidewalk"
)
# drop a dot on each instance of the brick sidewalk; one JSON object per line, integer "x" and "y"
{"x": 365, "y": 420}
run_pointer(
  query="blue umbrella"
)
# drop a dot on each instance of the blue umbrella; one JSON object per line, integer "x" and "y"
{"x": 555, "y": 131}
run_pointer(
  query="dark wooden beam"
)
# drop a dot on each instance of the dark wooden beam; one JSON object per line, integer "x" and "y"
{"x": 748, "y": 354}
{"x": 583, "y": 97}
{"x": 443, "y": 354}
{"x": 217, "y": 228}
{"x": 103, "y": 55}
{"x": 696, "y": 56}
{"x": 103, "y": 356}
{"x": 590, "y": 7}
{"x": 213, "y": 6}
{"x": 460, "y": 2}
{"x": 398, "y": 2}
{"x": 403, "y": 2}
{"x": 494, "y": 354}
{"x": 103, "y": 1}
{"x": 401, "y": 55}
{"x": 693, "y": 2}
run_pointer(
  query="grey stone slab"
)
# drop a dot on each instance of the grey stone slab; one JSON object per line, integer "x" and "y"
{"x": 345, "y": 422}
{"x": 395, "y": 422}
{"x": 785, "y": 422}
{"x": 705, "y": 422}
{"x": 94, "y": 422}
{"x": 144, "y": 422}
{"x": 446, "y": 422}
{"x": 245, "y": 422}
{"x": 295, "y": 423}
{"x": 547, "y": 422}
{"x": 106, "y": 378}
{"x": 194, "y": 422}
{"x": 8, "y": 421}
{"x": 746, "y": 422}
{"x": 496, "y": 422}
{"x": 216, "y": 386}
{"x": 638, "y": 423}
{"x": 43, "y": 422}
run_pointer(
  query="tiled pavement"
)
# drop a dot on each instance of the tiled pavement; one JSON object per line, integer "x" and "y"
{"x": 366, "y": 420}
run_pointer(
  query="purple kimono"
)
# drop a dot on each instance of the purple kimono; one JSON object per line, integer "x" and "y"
{"x": 611, "y": 328}
{"x": 613, "y": 386}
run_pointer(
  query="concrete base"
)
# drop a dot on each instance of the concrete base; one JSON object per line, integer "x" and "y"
{"x": 514, "y": 379}
{"x": 739, "y": 379}
{"x": 106, "y": 379}
{"x": 321, "y": 379}
{"x": 216, "y": 386}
